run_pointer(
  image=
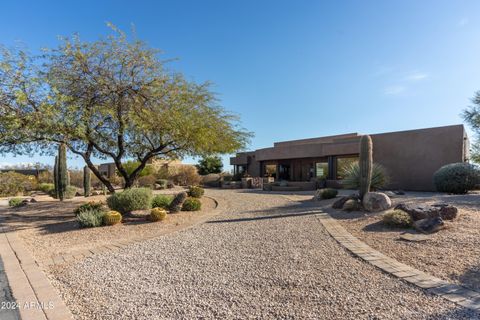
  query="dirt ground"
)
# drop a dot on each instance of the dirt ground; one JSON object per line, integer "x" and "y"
{"x": 452, "y": 254}
{"x": 48, "y": 227}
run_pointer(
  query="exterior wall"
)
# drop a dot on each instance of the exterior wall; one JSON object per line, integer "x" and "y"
{"x": 412, "y": 157}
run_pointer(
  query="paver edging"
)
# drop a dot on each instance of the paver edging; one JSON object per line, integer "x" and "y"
{"x": 457, "y": 294}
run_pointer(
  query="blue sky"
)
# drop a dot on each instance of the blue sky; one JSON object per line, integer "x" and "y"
{"x": 292, "y": 69}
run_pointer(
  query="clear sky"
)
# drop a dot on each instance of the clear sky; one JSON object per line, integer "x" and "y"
{"x": 292, "y": 69}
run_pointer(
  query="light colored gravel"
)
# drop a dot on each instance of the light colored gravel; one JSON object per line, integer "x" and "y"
{"x": 452, "y": 254}
{"x": 263, "y": 257}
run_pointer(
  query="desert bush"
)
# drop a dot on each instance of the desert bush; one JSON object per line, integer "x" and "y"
{"x": 157, "y": 214}
{"x": 457, "y": 178}
{"x": 327, "y": 193}
{"x": 185, "y": 175}
{"x": 15, "y": 202}
{"x": 177, "y": 202}
{"x": 161, "y": 201}
{"x": 170, "y": 184}
{"x": 13, "y": 183}
{"x": 130, "y": 200}
{"x": 195, "y": 192}
{"x": 397, "y": 218}
{"x": 162, "y": 183}
{"x": 92, "y": 205}
{"x": 112, "y": 217}
{"x": 45, "y": 176}
{"x": 147, "y": 181}
{"x": 70, "y": 192}
{"x": 76, "y": 178}
{"x": 46, "y": 187}
{"x": 191, "y": 204}
{"x": 91, "y": 218}
{"x": 351, "y": 173}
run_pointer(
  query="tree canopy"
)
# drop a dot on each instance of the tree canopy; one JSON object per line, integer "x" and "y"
{"x": 472, "y": 116}
{"x": 210, "y": 164}
{"x": 112, "y": 98}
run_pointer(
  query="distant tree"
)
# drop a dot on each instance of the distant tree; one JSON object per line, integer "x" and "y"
{"x": 471, "y": 115}
{"x": 210, "y": 164}
{"x": 111, "y": 98}
{"x": 130, "y": 166}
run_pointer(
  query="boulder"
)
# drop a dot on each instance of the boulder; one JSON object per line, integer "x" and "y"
{"x": 338, "y": 204}
{"x": 376, "y": 201}
{"x": 352, "y": 205}
{"x": 429, "y": 225}
{"x": 419, "y": 212}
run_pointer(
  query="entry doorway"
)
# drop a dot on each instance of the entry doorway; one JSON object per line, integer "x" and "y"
{"x": 284, "y": 172}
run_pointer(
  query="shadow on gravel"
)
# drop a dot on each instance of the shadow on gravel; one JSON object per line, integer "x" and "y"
{"x": 286, "y": 215}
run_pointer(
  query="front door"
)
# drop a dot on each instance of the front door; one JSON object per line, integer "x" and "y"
{"x": 284, "y": 172}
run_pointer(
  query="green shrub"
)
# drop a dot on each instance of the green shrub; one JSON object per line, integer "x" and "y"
{"x": 191, "y": 204}
{"x": 92, "y": 205}
{"x": 397, "y": 218}
{"x": 457, "y": 178}
{"x": 46, "y": 187}
{"x": 15, "y": 202}
{"x": 13, "y": 184}
{"x": 351, "y": 173}
{"x": 327, "y": 193}
{"x": 195, "y": 192}
{"x": 161, "y": 201}
{"x": 70, "y": 192}
{"x": 162, "y": 183}
{"x": 130, "y": 200}
{"x": 91, "y": 218}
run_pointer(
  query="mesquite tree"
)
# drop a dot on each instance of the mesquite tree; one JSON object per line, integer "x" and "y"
{"x": 110, "y": 99}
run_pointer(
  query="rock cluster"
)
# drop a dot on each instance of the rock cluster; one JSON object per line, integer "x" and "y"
{"x": 429, "y": 218}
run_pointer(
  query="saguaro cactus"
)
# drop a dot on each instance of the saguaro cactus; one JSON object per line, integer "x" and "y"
{"x": 365, "y": 164}
{"x": 87, "y": 178}
{"x": 62, "y": 171}
{"x": 55, "y": 176}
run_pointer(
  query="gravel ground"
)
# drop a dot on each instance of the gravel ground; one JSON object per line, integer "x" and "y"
{"x": 263, "y": 257}
{"x": 452, "y": 254}
{"x": 49, "y": 228}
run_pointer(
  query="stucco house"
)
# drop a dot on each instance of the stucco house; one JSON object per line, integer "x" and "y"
{"x": 410, "y": 157}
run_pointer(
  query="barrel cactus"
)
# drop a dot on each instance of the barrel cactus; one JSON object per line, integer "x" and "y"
{"x": 157, "y": 214}
{"x": 112, "y": 217}
{"x": 87, "y": 178}
{"x": 177, "y": 202}
{"x": 365, "y": 164}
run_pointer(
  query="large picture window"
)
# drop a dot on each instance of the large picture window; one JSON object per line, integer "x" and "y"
{"x": 270, "y": 170}
{"x": 321, "y": 170}
{"x": 344, "y": 163}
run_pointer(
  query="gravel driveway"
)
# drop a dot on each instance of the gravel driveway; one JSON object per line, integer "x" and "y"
{"x": 263, "y": 257}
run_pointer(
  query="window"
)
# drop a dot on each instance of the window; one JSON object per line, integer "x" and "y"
{"x": 321, "y": 170}
{"x": 344, "y": 163}
{"x": 270, "y": 170}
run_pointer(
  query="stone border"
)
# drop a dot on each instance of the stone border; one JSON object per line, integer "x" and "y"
{"x": 34, "y": 295}
{"x": 455, "y": 293}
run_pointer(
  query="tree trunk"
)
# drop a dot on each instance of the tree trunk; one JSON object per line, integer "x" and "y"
{"x": 97, "y": 173}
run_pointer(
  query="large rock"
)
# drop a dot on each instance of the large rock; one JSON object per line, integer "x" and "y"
{"x": 352, "y": 205}
{"x": 429, "y": 225}
{"x": 338, "y": 204}
{"x": 419, "y": 212}
{"x": 376, "y": 201}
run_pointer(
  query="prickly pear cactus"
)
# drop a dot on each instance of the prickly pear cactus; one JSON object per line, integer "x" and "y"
{"x": 112, "y": 217}
{"x": 157, "y": 214}
{"x": 365, "y": 164}
{"x": 177, "y": 202}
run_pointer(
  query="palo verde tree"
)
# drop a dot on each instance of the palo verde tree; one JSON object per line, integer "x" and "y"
{"x": 113, "y": 99}
{"x": 472, "y": 117}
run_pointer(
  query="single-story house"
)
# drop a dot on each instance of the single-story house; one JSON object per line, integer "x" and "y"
{"x": 410, "y": 157}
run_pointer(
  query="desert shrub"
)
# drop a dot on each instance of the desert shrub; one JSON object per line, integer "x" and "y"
{"x": 147, "y": 181}
{"x": 185, "y": 175}
{"x": 46, "y": 187}
{"x": 351, "y": 173}
{"x": 457, "y": 178}
{"x": 157, "y": 214}
{"x": 13, "y": 183}
{"x": 327, "y": 193}
{"x": 195, "y": 192}
{"x": 15, "y": 202}
{"x": 76, "y": 178}
{"x": 45, "y": 177}
{"x": 112, "y": 217}
{"x": 90, "y": 218}
{"x": 211, "y": 180}
{"x": 170, "y": 184}
{"x": 397, "y": 218}
{"x": 130, "y": 200}
{"x": 177, "y": 202}
{"x": 70, "y": 192}
{"x": 92, "y": 205}
{"x": 161, "y": 201}
{"x": 191, "y": 204}
{"x": 162, "y": 183}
